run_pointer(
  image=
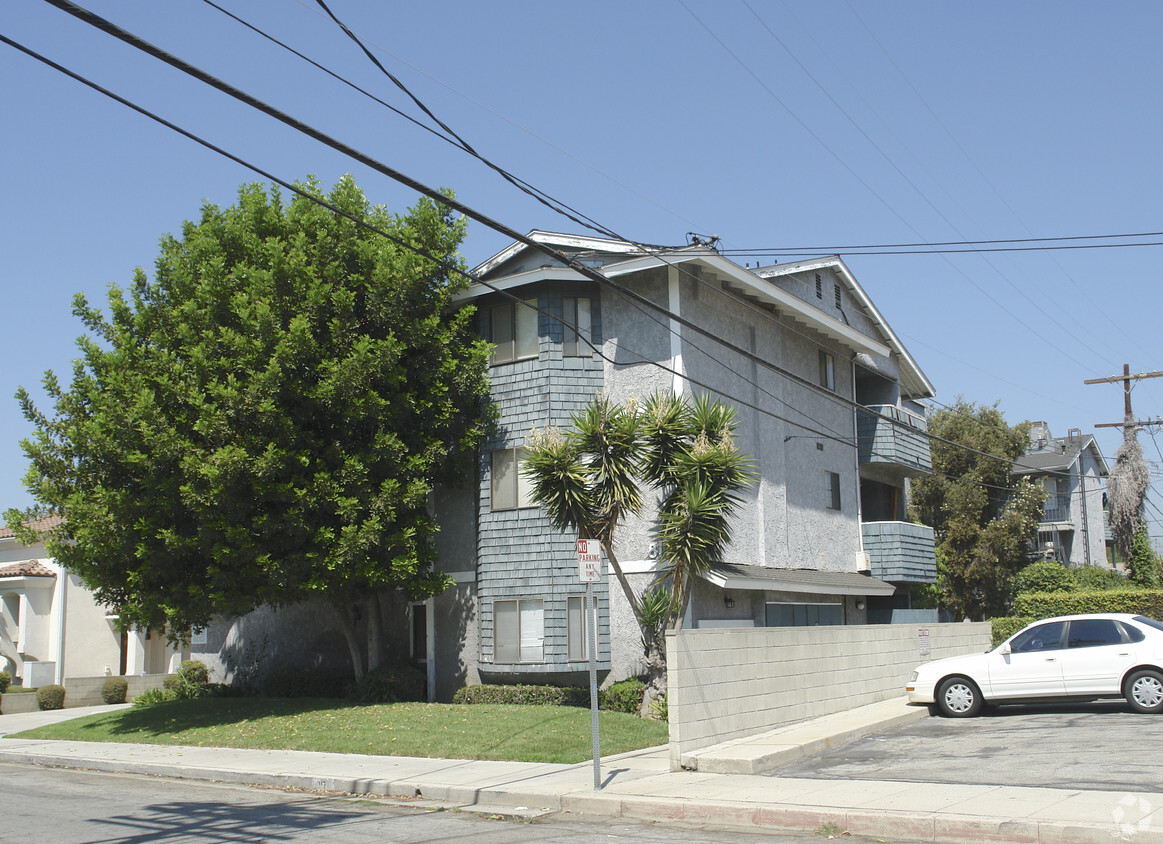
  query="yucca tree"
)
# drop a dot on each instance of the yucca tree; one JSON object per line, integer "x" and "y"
{"x": 589, "y": 479}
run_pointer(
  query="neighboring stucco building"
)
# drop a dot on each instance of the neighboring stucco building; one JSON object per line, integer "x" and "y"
{"x": 827, "y": 401}
{"x": 1073, "y": 528}
{"x": 52, "y": 629}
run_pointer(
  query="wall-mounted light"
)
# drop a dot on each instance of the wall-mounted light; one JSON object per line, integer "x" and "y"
{"x": 729, "y": 601}
{"x": 859, "y": 603}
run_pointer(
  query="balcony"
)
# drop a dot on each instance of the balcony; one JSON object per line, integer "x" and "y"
{"x": 900, "y": 552}
{"x": 889, "y": 437}
{"x": 1056, "y": 508}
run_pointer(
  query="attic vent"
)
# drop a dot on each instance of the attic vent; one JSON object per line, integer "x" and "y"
{"x": 836, "y": 288}
{"x": 819, "y": 287}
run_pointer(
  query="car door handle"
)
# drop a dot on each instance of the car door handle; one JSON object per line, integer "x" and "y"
{"x": 1051, "y": 658}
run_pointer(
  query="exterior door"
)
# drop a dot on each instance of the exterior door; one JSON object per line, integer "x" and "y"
{"x": 1033, "y": 668}
{"x": 1097, "y": 653}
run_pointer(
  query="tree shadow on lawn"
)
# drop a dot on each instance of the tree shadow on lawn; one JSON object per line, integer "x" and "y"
{"x": 182, "y": 715}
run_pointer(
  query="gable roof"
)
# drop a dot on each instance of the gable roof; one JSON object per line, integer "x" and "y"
{"x": 1057, "y": 455}
{"x": 615, "y": 258}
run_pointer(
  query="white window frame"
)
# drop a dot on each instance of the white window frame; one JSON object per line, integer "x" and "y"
{"x": 523, "y": 625}
{"x": 827, "y": 370}
{"x": 509, "y": 489}
{"x": 576, "y": 326}
{"x": 514, "y": 331}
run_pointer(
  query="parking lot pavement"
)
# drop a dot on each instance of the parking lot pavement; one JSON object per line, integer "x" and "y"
{"x": 1101, "y": 746}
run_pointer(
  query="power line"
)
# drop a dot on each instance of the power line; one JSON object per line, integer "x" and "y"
{"x": 568, "y": 261}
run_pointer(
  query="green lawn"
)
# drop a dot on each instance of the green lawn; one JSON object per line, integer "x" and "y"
{"x": 513, "y": 733}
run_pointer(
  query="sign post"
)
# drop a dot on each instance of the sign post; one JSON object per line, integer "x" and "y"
{"x": 589, "y": 569}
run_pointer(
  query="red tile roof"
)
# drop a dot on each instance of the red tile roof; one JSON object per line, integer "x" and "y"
{"x": 29, "y": 568}
{"x": 44, "y": 523}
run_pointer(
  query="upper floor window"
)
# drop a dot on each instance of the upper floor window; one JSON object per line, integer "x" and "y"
{"x": 832, "y": 490}
{"x": 514, "y": 331}
{"x": 510, "y": 489}
{"x": 576, "y": 327}
{"x": 827, "y": 370}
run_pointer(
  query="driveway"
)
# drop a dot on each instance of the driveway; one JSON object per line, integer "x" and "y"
{"x": 1101, "y": 746}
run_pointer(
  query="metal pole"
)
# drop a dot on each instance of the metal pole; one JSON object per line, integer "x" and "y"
{"x": 591, "y": 640}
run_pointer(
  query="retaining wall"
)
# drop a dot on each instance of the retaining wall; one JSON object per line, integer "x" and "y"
{"x": 729, "y": 683}
{"x": 81, "y": 691}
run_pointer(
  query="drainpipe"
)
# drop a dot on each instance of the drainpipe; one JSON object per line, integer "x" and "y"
{"x": 856, "y": 461}
{"x": 1085, "y": 521}
{"x": 675, "y": 330}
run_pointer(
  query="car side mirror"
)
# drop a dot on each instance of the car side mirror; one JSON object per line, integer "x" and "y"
{"x": 1004, "y": 650}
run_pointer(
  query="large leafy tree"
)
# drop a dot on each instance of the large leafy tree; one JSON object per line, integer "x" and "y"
{"x": 984, "y": 519}
{"x": 264, "y": 419}
{"x": 590, "y": 479}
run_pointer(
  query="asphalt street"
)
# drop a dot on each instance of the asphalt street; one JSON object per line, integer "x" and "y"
{"x": 84, "y": 807}
{"x": 1102, "y": 746}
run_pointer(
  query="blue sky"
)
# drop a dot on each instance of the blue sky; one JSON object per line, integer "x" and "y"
{"x": 772, "y": 124}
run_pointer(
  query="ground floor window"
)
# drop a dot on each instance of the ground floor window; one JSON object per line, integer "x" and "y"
{"x": 519, "y": 631}
{"x": 578, "y": 641}
{"x": 419, "y": 633}
{"x": 802, "y": 615}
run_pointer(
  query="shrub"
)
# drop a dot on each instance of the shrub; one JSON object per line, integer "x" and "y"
{"x": 114, "y": 689}
{"x": 152, "y": 696}
{"x": 660, "y": 709}
{"x": 1003, "y": 628}
{"x": 390, "y": 684}
{"x": 624, "y": 696}
{"x": 303, "y": 682}
{"x": 525, "y": 695}
{"x": 194, "y": 672}
{"x": 50, "y": 697}
{"x": 1097, "y": 578}
{"x": 5, "y": 681}
{"x": 1043, "y": 576}
{"x": 1148, "y": 602}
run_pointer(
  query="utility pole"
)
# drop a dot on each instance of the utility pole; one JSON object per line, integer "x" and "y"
{"x": 1129, "y": 422}
{"x": 1128, "y": 481}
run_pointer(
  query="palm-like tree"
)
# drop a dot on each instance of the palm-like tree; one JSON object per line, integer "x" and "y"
{"x": 589, "y": 480}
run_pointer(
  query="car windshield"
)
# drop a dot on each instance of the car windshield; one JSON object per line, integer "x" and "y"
{"x": 1150, "y": 622}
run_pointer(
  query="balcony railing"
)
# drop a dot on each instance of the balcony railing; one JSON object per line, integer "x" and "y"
{"x": 890, "y": 436}
{"x": 900, "y": 552}
{"x": 1056, "y": 508}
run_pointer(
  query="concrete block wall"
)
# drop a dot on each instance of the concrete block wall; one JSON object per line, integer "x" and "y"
{"x": 729, "y": 683}
{"x": 81, "y": 691}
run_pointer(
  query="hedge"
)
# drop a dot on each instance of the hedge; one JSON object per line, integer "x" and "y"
{"x": 552, "y": 695}
{"x": 1148, "y": 602}
{"x": 1003, "y": 628}
{"x": 114, "y": 690}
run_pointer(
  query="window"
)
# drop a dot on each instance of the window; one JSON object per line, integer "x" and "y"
{"x": 836, "y": 290}
{"x": 576, "y": 327}
{"x": 578, "y": 641}
{"x": 802, "y": 615}
{"x": 827, "y": 370}
{"x": 832, "y": 490}
{"x": 519, "y": 631}
{"x": 1044, "y": 637}
{"x": 510, "y": 488}
{"x": 514, "y": 331}
{"x": 1094, "y": 633}
{"x": 819, "y": 287}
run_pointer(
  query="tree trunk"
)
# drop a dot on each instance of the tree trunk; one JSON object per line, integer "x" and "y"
{"x": 375, "y": 633}
{"x": 655, "y": 692}
{"x": 347, "y": 624}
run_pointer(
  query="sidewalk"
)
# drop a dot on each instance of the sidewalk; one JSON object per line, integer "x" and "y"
{"x": 640, "y": 785}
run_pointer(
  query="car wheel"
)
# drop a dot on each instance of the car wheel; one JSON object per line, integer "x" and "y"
{"x": 958, "y": 697}
{"x": 1144, "y": 691}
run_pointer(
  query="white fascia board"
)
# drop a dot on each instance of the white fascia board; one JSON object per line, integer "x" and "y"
{"x": 753, "y": 285}
{"x": 557, "y": 240}
{"x": 26, "y": 582}
{"x": 475, "y": 290}
{"x": 920, "y": 386}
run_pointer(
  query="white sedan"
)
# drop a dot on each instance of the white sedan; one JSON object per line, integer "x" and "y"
{"x": 1074, "y": 657}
